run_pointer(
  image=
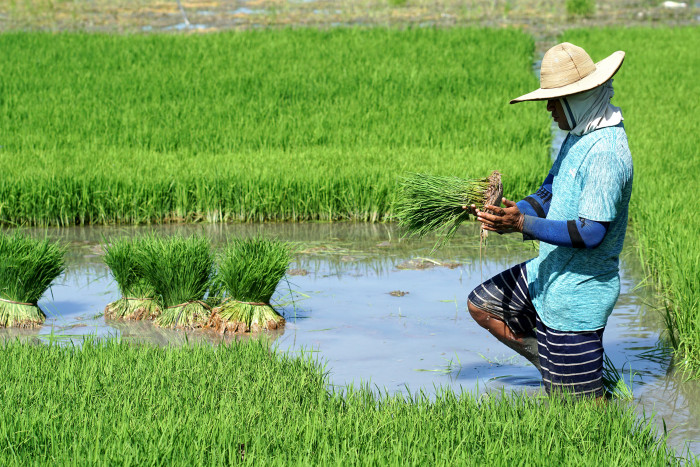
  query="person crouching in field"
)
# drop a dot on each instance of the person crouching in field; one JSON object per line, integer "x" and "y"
{"x": 553, "y": 308}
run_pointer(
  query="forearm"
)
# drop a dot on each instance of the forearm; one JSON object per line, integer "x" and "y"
{"x": 530, "y": 206}
{"x": 581, "y": 233}
{"x": 537, "y": 204}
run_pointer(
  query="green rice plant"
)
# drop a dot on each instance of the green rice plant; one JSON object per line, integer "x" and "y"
{"x": 180, "y": 269}
{"x": 666, "y": 165}
{"x": 106, "y": 129}
{"x": 431, "y": 203}
{"x": 249, "y": 271}
{"x": 614, "y": 381}
{"x": 245, "y": 403}
{"x": 584, "y": 8}
{"x": 138, "y": 297}
{"x": 27, "y": 268}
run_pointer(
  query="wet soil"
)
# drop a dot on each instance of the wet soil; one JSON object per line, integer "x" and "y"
{"x": 374, "y": 322}
{"x": 544, "y": 19}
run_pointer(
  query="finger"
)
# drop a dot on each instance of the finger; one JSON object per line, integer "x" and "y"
{"x": 489, "y": 228}
{"x": 487, "y": 222}
{"x": 486, "y": 216}
{"x": 469, "y": 209}
{"x": 492, "y": 217}
{"x": 508, "y": 203}
{"x": 495, "y": 209}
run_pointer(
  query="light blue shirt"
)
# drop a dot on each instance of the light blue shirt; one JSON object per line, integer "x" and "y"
{"x": 575, "y": 289}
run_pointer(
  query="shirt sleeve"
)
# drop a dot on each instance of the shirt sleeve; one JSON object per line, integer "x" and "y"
{"x": 537, "y": 204}
{"x": 602, "y": 185}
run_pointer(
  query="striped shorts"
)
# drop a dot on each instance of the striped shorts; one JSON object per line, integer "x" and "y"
{"x": 570, "y": 361}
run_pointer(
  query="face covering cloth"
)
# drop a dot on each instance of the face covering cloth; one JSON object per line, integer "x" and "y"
{"x": 591, "y": 110}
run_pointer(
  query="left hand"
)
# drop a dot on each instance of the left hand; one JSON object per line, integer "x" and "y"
{"x": 504, "y": 220}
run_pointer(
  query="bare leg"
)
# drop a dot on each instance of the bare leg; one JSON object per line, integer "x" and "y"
{"x": 524, "y": 345}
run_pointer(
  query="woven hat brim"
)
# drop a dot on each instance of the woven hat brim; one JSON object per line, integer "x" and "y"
{"x": 605, "y": 69}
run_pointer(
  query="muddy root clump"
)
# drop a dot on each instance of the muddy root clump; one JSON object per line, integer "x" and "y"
{"x": 492, "y": 196}
{"x": 240, "y": 317}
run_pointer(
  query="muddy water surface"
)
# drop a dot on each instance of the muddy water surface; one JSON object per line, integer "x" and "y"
{"x": 389, "y": 313}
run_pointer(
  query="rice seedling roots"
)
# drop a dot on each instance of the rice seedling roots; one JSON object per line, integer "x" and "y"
{"x": 493, "y": 195}
{"x": 494, "y": 192}
{"x": 240, "y": 317}
{"x": 188, "y": 315}
{"x": 20, "y": 315}
{"x": 133, "y": 309}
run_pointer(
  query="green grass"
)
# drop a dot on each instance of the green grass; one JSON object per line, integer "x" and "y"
{"x": 259, "y": 125}
{"x": 115, "y": 403}
{"x": 180, "y": 269}
{"x": 654, "y": 89}
{"x": 580, "y": 8}
{"x": 28, "y": 267}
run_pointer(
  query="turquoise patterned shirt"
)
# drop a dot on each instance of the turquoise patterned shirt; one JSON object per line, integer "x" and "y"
{"x": 575, "y": 289}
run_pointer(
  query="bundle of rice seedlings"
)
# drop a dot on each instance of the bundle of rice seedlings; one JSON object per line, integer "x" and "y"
{"x": 432, "y": 203}
{"x": 27, "y": 269}
{"x": 180, "y": 269}
{"x": 249, "y": 271}
{"x": 138, "y": 297}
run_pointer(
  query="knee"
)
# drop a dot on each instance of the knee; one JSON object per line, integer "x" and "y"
{"x": 479, "y": 315}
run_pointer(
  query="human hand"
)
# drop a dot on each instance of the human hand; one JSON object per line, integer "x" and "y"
{"x": 503, "y": 220}
{"x": 471, "y": 208}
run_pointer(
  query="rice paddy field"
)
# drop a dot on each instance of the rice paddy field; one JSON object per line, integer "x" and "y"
{"x": 104, "y": 129}
{"x": 361, "y": 307}
{"x": 315, "y": 125}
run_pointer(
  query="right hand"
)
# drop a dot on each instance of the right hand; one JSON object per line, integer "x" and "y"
{"x": 503, "y": 220}
{"x": 472, "y": 209}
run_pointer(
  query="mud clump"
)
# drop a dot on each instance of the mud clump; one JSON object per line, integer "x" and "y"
{"x": 398, "y": 293}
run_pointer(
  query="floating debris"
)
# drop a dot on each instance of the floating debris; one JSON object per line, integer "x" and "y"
{"x": 297, "y": 272}
{"x": 398, "y": 293}
{"x": 426, "y": 263}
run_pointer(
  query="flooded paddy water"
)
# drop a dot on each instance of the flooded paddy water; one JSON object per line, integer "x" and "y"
{"x": 387, "y": 312}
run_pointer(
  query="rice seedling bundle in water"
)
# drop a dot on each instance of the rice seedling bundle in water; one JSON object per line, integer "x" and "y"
{"x": 138, "y": 296}
{"x": 180, "y": 270}
{"x": 249, "y": 271}
{"x": 27, "y": 269}
{"x": 433, "y": 203}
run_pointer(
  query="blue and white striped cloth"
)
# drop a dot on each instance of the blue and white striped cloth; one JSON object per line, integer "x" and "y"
{"x": 570, "y": 361}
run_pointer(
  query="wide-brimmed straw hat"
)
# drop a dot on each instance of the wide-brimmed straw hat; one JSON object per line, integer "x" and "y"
{"x": 567, "y": 69}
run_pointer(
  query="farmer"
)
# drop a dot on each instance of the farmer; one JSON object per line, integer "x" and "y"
{"x": 553, "y": 308}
